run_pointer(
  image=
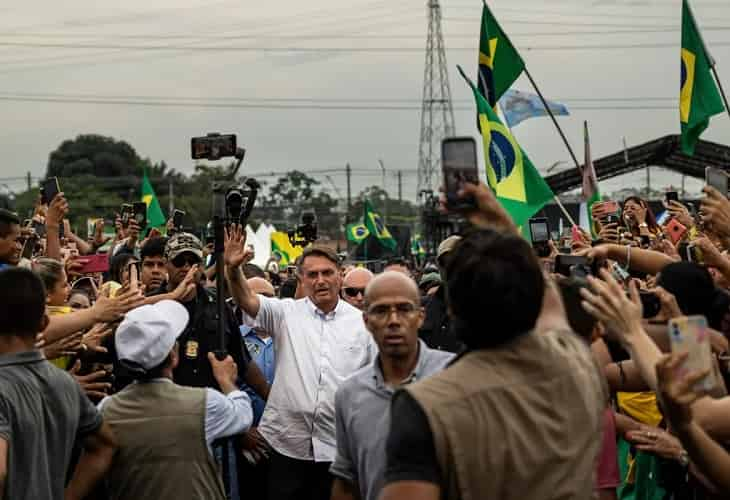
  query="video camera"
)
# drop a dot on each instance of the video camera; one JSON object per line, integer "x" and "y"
{"x": 306, "y": 232}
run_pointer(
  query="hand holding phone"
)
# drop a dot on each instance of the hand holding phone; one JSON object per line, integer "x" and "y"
{"x": 689, "y": 334}
{"x": 49, "y": 190}
{"x": 540, "y": 233}
{"x": 459, "y": 165}
{"x": 717, "y": 179}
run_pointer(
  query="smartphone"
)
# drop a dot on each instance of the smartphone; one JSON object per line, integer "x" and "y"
{"x": 28, "y": 247}
{"x": 690, "y": 334}
{"x": 177, "y": 219}
{"x": 213, "y": 146}
{"x": 97, "y": 263}
{"x": 459, "y": 165}
{"x": 675, "y": 230}
{"x": 717, "y": 178}
{"x": 574, "y": 265}
{"x": 694, "y": 254}
{"x": 540, "y": 233}
{"x": 671, "y": 196}
{"x": 650, "y": 303}
{"x": 126, "y": 213}
{"x": 49, "y": 190}
{"x": 612, "y": 219}
{"x": 291, "y": 271}
{"x": 139, "y": 212}
{"x": 39, "y": 228}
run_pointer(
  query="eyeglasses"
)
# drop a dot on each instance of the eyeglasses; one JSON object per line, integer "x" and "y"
{"x": 183, "y": 259}
{"x": 354, "y": 292}
{"x": 383, "y": 311}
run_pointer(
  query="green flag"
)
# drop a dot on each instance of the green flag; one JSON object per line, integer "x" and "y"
{"x": 357, "y": 232}
{"x": 155, "y": 217}
{"x": 591, "y": 194}
{"x": 499, "y": 62}
{"x": 518, "y": 185}
{"x": 375, "y": 225}
{"x": 699, "y": 98}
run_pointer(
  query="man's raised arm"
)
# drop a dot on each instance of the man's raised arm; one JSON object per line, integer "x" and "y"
{"x": 234, "y": 256}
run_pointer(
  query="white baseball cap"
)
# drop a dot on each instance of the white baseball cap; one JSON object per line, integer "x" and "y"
{"x": 148, "y": 333}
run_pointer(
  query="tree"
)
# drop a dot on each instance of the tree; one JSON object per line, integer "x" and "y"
{"x": 93, "y": 155}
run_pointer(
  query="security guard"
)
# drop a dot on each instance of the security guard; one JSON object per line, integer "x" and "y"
{"x": 182, "y": 252}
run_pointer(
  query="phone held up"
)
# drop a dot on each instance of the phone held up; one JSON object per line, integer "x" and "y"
{"x": 49, "y": 189}
{"x": 689, "y": 334}
{"x": 717, "y": 179}
{"x": 540, "y": 234}
{"x": 177, "y": 220}
{"x": 459, "y": 165}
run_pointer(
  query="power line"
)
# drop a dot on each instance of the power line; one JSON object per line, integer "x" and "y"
{"x": 231, "y": 48}
{"x": 218, "y": 105}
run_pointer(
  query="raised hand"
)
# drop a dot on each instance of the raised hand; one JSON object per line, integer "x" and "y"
{"x": 57, "y": 210}
{"x": 607, "y": 302}
{"x": 90, "y": 383}
{"x": 235, "y": 252}
{"x": 715, "y": 211}
{"x": 676, "y": 392}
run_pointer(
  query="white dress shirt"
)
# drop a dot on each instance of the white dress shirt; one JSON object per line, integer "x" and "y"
{"x": 225, "y": 415}
{"x": 315, "y": 353}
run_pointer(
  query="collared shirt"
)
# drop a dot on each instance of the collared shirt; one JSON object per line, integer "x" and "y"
{"x": 362, "y": 406}
{"x": 315, "y": 353}
{"x": 43, "y": 410}
{"x": 264, "y": 355}
{"x": 225, "y": 415}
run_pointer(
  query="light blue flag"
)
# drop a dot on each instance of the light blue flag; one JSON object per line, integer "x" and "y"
{"x": 518, "y": 106}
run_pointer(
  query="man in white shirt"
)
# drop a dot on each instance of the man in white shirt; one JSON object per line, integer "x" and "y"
{"x": 320, "y": 340}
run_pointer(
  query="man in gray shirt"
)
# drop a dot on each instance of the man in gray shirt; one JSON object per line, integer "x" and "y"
{"x": 43, "y": 410}
{"x": 393, "y": 315}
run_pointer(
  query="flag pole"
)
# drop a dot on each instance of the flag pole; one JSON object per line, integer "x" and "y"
{"x": 555, "y": 197}
{"x": 722, "y": 90}
{"x": 555, "y": 121}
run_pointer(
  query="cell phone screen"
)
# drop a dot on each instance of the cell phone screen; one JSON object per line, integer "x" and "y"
{"x": 689, "y": 334}
{"x": 717, "y": 179}
{"x": 672, "y": 196}
{"x": 459, "y": 164}
{"x": 540, "y": 232}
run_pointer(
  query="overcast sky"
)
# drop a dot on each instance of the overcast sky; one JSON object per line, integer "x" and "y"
{"x": 567, "y": 44}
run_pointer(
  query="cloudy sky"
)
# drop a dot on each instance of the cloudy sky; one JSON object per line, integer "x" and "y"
{"x": 149, "y": 75}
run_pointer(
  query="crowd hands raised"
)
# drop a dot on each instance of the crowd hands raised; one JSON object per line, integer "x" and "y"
{"x": 333, "y": 382}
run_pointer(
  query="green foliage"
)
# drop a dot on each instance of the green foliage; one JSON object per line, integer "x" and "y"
{"x": 98, "y": 174}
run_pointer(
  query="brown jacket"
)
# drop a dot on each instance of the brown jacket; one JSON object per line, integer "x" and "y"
{"x": 162, "y": 452}
{"x": 522, "y": 421}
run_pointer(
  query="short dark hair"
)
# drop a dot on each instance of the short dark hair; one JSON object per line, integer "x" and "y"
{"x": 50, "y": 271}
{"x": 495, "y": 288}
{"x": 7, "y": 219}
{"x": 319, "y": 251}
{"x": 22, "y": 302}
{"x": 580, "y": 321}
{"x": 253, "y": 271}
{"x": 153, "y": 248}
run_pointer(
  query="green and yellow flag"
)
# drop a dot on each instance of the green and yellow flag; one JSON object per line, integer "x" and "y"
{"x": 283, "y": 249}
{"x": 357, "y": 232}
{"x": 155, "y": 217}
{"x": 699, "y": 98}
{"x": 499, "y": 62}
{"x": 518, "y": 185}
{"x": 375, "y": 225}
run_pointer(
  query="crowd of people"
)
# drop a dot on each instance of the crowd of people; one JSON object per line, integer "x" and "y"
{"x": 492, "y": 372}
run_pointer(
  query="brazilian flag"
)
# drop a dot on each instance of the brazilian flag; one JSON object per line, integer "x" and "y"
{"x": 699, "y": 98}
{"x": 499, "y": 62}
{"x": 518, "y": 185}
{"x": 155, "y": 217}
{"x": 375, "y": 225}
{"x": 357, "y": 232}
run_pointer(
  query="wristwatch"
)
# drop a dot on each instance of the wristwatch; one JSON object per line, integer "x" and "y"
{"x": 683, "y": 458}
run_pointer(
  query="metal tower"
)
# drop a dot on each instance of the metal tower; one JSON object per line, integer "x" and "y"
{"x": 437, "y": 113}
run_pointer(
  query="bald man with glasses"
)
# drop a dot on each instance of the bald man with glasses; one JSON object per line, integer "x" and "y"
{"x": 353, "y": 286}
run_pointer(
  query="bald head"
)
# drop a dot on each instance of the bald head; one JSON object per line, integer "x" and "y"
{"x": 353, "y": 286}
{"x": 392, "y": 283}
{"x": 261, "y": 287}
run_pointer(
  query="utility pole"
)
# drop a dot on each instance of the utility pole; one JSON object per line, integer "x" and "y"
{"x": 30, "y": 182}
{"x": 400, "y": 185}
{"x": 385, "y": 192}
{"x": 171, "y": 200}
{"x": 348, "y": 171}
{"x": 437, "y": 112}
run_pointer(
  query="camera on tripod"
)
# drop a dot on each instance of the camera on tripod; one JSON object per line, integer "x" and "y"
{"x": 233, "y": 203}
{"x": 306, "y": 232}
